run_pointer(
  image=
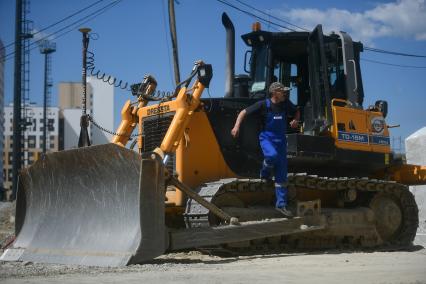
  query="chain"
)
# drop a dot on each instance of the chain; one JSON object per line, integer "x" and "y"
{"x": 110, "y": 131}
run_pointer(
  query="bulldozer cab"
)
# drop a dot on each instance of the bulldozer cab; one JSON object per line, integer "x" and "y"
{"x": 318, "y": 68}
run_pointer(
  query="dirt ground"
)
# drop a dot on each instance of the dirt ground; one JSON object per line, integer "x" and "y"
{"x": 330, "y": 267}
{"x": 194, "y": 267}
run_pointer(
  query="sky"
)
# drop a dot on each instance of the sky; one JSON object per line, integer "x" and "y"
{"x": 132, "y": 39}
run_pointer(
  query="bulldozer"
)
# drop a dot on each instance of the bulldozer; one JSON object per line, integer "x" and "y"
{"x": 190, "y": 184}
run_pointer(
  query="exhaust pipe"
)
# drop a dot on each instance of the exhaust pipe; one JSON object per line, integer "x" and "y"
{"x": 230, "y": 55}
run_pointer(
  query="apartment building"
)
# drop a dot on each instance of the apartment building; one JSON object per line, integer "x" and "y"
{"x": 32, "y": 139}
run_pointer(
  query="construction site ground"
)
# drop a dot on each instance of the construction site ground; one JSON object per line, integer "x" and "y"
{"x": 333, "y": 266}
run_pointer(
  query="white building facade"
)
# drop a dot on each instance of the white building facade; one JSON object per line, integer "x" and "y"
{"x": 100, "y": 106}
{"x": 70, "y": 118}
{"x": 102, "y": 110}
{"x": 33, "y": 137}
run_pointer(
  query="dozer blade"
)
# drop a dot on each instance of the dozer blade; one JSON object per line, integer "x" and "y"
{"x": 99, "y": 205}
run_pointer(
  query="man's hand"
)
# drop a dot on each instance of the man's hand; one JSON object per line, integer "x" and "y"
{"x": 294, "y": 123}
{"x": 235, "y": 131}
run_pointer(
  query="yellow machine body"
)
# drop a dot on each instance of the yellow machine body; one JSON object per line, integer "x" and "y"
{"x": 358, "y": 129}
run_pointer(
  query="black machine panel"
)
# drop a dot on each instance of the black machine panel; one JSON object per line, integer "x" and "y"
{"x": 306, "y": 153}
{"x": 243, "y": 154}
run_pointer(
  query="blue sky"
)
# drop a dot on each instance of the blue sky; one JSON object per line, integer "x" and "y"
{"x": 134, "y": 41}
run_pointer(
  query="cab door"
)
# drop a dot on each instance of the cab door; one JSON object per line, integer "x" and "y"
{"x": 318, "y": 112}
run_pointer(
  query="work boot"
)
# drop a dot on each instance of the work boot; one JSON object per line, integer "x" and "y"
{"x": 283, "y": 210}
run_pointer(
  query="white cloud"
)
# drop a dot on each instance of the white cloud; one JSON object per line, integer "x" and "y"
{"x": 403, "y": 18}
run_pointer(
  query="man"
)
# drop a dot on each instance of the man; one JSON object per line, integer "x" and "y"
{"x": 273, "y": 139}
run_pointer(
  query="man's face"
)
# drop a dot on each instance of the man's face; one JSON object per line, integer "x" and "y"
{"x": 280, "y": 95}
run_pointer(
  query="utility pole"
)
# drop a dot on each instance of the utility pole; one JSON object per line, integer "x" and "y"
{"x": 172, "y": 24}
{"x": 83, "y": 139}
{"x": 46, "y": 47}
{"x": 17, "y": 131}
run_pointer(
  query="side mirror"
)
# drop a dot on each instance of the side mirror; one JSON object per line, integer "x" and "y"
{"x": 247, "y": 63}
{"x": 382, "y": 106}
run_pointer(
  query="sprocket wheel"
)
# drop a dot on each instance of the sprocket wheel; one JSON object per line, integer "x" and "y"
{"x": 396, "y": 215}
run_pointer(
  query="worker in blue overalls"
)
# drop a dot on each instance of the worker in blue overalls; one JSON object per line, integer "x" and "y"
{"x": 272, "y": 138}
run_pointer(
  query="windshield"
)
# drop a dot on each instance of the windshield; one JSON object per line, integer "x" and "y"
{"x": 259, "y": 68}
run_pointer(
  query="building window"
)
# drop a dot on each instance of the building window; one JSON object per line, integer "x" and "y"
{"x": 10, "y": 157}
{"x": 41, "y": 124}
{"x": 28, "y": 123}
{"x": 10, "y": 175}
{"x": 50, "y": 126}
{"x": 34, "y": 124}
{"x": 52, "y": 145}
{"x": 31, "y": 141}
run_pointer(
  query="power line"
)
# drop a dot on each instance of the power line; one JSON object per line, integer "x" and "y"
{"x": 100, "y": 12}
{"x": 391, "y": 64}
{"x": 60, "y": 21}
{"x": 80, "y": 21}
{"x": 254, "y": 15}
{"x": 77, "y": 22}
{"x": 393, "y": 52}
{"x": 279, "y": 19}
{"x": 269, "y": 15}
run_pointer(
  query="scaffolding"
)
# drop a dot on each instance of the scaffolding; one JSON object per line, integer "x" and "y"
{"x": 26, "y": 36}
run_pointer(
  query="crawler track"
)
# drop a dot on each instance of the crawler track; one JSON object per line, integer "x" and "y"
{"x": 377, "y": 213}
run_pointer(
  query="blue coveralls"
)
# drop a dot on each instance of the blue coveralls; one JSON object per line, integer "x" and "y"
{"x": 273, "y": 142}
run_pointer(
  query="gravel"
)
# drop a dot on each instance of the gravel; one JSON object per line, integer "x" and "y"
{"x": 7, "y": 222}
{"x": 172, "y": 261}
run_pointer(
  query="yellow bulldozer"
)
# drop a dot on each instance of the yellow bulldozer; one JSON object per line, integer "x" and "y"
{"x": 190, "y": 184}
